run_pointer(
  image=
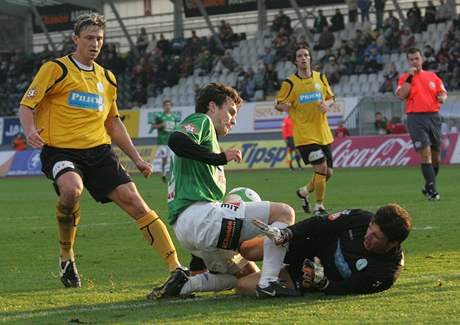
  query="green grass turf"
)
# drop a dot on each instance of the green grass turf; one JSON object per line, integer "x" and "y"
{"x": 118, "y": 269}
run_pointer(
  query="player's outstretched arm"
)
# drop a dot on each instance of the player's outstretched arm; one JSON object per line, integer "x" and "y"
{"x": 117, "y": 131}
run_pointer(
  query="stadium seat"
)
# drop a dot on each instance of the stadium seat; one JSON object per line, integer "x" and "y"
{"x": 167, "y": 91}
{"x": 432, "y": 28}
{"x": 346, "y": 90}
{"x": 175, "y": 90}
{"x": 279, "y": 66}
{"x": 374, "y": 88}
{"x": 353, "y": 79}
{"x": 258, "y": 95}
{"x": 355, "y": 89}
{"x": 362, "y": 79}
{"x": 344, "y": 79}
{"x": 182, "y": 81}
{"x": 337, "y": 89}
{"x": 394, "y": 57}
{"x": 231, "y": 79}
{"x": 190, "y": 81}
{"x": 158, "y": 101}
{"x": 150, "y": 102}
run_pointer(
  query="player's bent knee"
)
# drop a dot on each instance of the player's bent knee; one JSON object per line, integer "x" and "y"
{"x": 70, "y": 193}
{"x": 282, "y": 212}
{"x": 321, "y": 168}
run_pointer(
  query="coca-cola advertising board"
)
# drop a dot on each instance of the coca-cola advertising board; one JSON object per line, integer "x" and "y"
{"x": 387, "y": 150}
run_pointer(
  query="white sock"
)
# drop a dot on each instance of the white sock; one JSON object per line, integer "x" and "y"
{"x": 209, "y": 282}
{"x": 304, "y": 191}
{"x": 273, "y": 259}
{"x": 319, "y": 206}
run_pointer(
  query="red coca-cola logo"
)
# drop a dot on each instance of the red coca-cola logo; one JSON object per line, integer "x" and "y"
{"x": 374, "y": 152}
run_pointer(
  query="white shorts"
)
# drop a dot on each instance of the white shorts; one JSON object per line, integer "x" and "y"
{"x": 163, "y": 151}
{"x": 214, "y": 230}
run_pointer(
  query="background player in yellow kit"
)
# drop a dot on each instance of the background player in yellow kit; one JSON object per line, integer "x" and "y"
{"x": 307, "y": 97}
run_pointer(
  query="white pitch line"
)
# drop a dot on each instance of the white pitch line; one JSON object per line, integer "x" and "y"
{"x": 426, "y": 228}
{"x": 142, "y": 304}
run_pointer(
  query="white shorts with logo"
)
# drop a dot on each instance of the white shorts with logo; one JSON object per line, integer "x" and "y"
{"x": 214, "y": 230}
{"x": 163, "y": 151}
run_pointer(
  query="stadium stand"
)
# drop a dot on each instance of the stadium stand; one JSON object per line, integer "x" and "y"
{"x": 175, "y": 68}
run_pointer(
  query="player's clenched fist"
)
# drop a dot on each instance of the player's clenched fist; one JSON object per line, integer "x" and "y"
{"x": 144, "y": 167}
{"x": 233, "y": 154}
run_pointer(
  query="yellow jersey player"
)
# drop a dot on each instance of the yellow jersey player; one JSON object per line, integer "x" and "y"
{"x": 307, "y": 97}
{"x": 70, "y": 112}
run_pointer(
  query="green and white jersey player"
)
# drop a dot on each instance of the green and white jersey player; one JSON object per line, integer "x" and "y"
{"x": 205, "y": 225}
{"x": 165, "y": 122}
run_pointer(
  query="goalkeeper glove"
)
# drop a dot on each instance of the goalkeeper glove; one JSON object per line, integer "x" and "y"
{"x": 279, "y": 236}
{"x": 313, "y": 275}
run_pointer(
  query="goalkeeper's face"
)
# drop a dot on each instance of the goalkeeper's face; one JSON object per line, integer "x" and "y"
{"x": 376, "y": 241}
{"x": 89, "y": 43}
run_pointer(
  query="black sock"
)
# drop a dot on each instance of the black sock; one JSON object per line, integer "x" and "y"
{"x": 436, "y": 169}
{"x": 429, "y": 175}
{"x": 297, "y": 158}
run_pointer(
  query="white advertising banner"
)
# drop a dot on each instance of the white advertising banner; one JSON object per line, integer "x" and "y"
{"x": 253, "y": 117}
{"x": 456, "y": 154}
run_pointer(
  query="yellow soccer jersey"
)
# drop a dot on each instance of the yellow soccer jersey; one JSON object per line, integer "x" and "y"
{"x": 305, "y": 95}
{"x": 71, "y": 104}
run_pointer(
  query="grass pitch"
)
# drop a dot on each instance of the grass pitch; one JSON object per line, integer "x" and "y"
{"x": 118, "y": 269}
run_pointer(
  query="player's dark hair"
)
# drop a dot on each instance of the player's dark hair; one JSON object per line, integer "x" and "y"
{"x": 89, "y": 19}
{"x": 294, "y": 55}
{"x": 413, "y": 50}
{"x": 217, "y": 93}
{"x": 394, "y": 221}
{"x": 167, "y": 101}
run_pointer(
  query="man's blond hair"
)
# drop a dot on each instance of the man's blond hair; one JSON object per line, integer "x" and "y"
{"x": 89, "y": 19}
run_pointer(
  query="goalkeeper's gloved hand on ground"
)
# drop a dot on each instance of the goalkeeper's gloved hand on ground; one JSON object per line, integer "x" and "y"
{"x": 313, "y": 275}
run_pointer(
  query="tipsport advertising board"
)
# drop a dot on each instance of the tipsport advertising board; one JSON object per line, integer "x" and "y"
{"x": 256, "y": 155}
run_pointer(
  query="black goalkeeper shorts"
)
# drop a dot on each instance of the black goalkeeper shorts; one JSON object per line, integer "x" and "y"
{"x": 99, "y": 168}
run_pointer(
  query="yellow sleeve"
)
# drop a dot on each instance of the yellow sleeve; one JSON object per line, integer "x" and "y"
{"x": 113, "y": 81}
{"x": 286, "y": 93}
{"x": 44, "y": 79}
{"x": 114, "y": 109}
{"x": 327, "y": 90}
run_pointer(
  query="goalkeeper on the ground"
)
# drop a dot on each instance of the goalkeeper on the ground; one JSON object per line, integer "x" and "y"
{"x": 350, "y": 252}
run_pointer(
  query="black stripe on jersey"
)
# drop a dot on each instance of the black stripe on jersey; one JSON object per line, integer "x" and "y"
{"x": 63, "y": 75}
{"x": 322, "y": 76}
{"x": 107, "y": 75}
{"x": 292, "y": 87}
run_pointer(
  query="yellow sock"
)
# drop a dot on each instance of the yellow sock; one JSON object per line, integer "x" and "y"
{"x": 311, "y": 184}
{"x": 320, "y": 187}
{"x": 157, "y": 235}
{"x": 68, "y": 218}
